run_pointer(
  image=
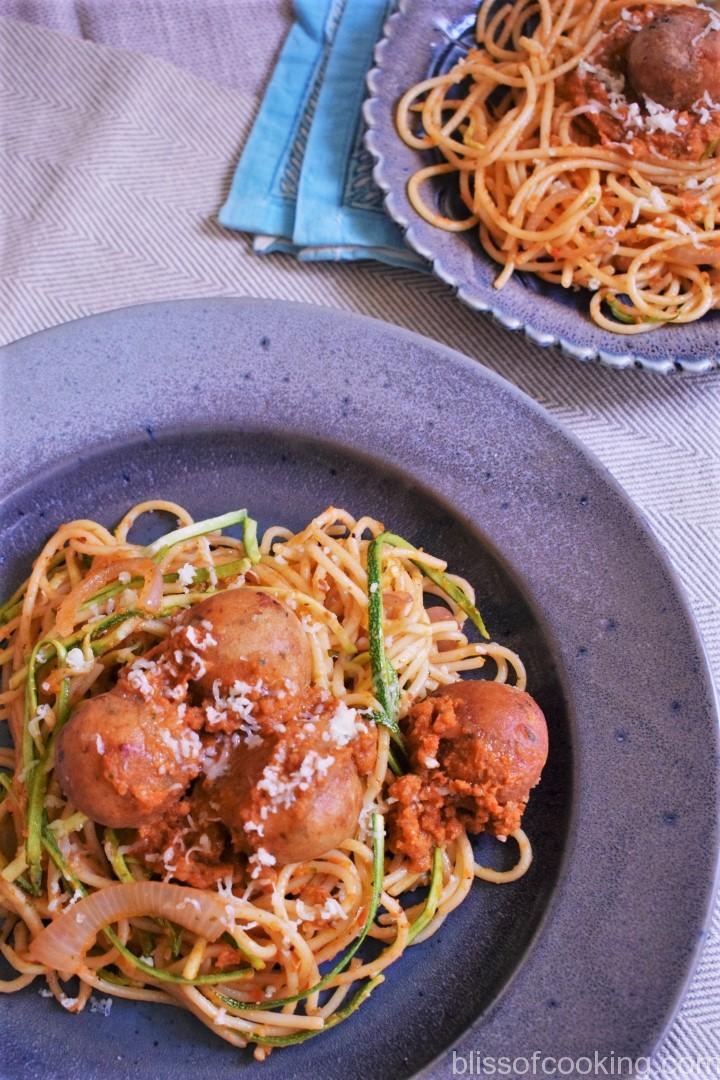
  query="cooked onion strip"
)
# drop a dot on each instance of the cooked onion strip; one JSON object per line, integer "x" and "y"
{"x": 62, "y": 945}
{"x": 149, "y": 599}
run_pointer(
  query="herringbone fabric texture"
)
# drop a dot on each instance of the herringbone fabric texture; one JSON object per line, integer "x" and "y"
{"x": 112, "y": 168}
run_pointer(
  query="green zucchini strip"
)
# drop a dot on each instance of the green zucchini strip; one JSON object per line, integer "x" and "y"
{"x": 393, "y": 762}
{"x": 439, "y": 578}
{"x": 623, "y": 315}
{"x": 250, "y": 540}
{"x": 385, "y": 681}
{"x": 97, "y": 644}
{"x": 36, "y": 779}
{"x": 211, "y": 979}
{"x": 378, "y": 834}
{"x": 337, "y": 1018}
{"x": 115, "y": 859}
{"x": 160, "y": 547}
{"x": 620, "y": 311}
{"x": 433, "y": 897}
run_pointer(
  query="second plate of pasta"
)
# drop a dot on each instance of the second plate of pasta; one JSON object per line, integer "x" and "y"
{"x": 523, "y": 155}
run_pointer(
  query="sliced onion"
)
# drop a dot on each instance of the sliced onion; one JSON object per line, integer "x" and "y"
{"x": 63, "y": 944}
{"x": 150, "y": 598}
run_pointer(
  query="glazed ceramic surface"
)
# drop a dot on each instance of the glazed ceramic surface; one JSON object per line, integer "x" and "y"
{"x": 426, "y": 38}
{"x": 286, "y": 409}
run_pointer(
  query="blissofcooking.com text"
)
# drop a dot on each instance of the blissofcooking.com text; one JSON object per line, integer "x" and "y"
{"x": 594, "y": 1064}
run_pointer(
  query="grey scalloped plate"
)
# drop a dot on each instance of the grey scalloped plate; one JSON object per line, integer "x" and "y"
{"x": 285, "y": 409}
{"x": 425, "y": 38}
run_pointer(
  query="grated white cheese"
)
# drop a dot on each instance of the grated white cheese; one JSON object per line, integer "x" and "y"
{"x": 42, "y": 713}
{"x": 260, "y": 859}
{"x": 712, "y": 25}
{"x": 283, "y": 792}
{"x": 214, "y": 716}
{"x": 225, "y": 886}
{"x": 101, "y": 1005}
{"x": 75, "y": 660}
{"x": 634, "y": 117}
{"x": 310, "y": 625}
{"x": 216, "y": 768}
{"x": 199, "y": 669}
{"x": 138, "y": 676}
{"x": 705, "y": 107}
{"x": 628, "y": 16}
{"x": 692, "y": 182}
{"x": 190, "y": 902}
{"x": 343, "y": 726}
{"x": 304, "y": 913}
{"x": 199, "y": 641}
{"x": 185, "y": 747}
{"x": 237, "y": 702}
{"x": 614, "y": 82}
{"x": 186, "y": 574}
{"x": 657, "y": 200}
{"x": 332, "y": 909}
{"x": 659, "y": 118}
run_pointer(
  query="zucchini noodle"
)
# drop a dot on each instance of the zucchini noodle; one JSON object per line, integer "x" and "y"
{"x": 546, "y": 195}
{"x": 93, "y": 603}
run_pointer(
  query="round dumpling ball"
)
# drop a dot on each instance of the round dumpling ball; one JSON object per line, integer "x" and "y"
{"x": 675, "y": 59}
{"x": 124, "y": 760}
{"x": 249, "y": 636}
{"x": 499, "y": 722}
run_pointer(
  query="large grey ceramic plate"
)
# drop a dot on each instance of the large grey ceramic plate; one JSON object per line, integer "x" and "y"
{"x": 286, "y": 409}
{"x": 426, "y": 37}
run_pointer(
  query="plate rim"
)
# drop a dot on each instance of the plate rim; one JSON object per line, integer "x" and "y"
{"x": 418, "y": 236}
{"x": 476, "y": 371}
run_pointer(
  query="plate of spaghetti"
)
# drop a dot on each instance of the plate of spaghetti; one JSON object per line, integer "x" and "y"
{"x": 309, "y": 740}
{"x": 557, "y": 165}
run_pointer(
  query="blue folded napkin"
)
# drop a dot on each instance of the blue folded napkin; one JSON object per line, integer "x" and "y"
{"x": 304, "y": 181}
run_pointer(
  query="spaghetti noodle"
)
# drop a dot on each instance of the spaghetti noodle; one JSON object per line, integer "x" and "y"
{"x": 249, "y": 954}
{"x": 565, "y": 170}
